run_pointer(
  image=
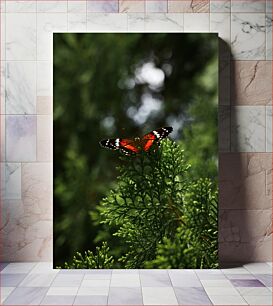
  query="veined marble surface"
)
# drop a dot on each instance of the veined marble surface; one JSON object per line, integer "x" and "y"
{"x": 245, "y": 120}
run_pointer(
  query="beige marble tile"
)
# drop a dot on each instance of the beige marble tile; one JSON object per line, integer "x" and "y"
{"x": 44, "y": 138}
{"x": 44, "y": 105}
{"x": 188, "y": 6}
{"x": 251, "y": 82}
{"x": 196, "y": 22}
{"x": 244, "y": 181}
{"x": 131, "y": 6}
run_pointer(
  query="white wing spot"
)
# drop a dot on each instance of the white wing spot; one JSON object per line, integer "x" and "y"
{"x": 156, "y": 134}
{"x": 117, "y": 142}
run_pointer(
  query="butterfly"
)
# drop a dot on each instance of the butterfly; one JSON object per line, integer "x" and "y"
{"x": 132, "y": 146}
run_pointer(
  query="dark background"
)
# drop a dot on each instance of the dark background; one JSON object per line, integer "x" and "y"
{"x": 124, "y": 85}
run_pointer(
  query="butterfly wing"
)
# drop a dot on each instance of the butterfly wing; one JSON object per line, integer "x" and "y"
{"x": 155, "y": 136}
{"x": 126, "y": 146}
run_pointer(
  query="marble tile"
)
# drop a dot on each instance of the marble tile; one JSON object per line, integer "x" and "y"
{"x": 3, "y": 139}
{"x": 156, "y": 6}
{"x": 236, "y": 271}
{"x": 20, "y": 36}
{"x": 151, "y": 279}
{"x": 44, "y": 138}
{"x": 102, "y": 6}
{"x": 20, "y": 88}
{"x": 26, "y": 296}
{"x": 47, "y": 23}
{"x": 12, "y": 181}
{"x": 213, "y": 291}
{"x": 77, "y": 22}
{"x": 38, "y": 280}
{"x": 170, "y": 22}
{"x": 258, "y": 299}
{"x": 94, "y": 291}
{"x": 125, "y": 280}
{"x": 96, "y": 282}
{"x": 220, "y": 23}
{"x": 159, "y": 296}
{"x": 251, "y": 83}
{"x": 3, "y": 6}
{"x": 21, "y": 7}
{"x": 3, "y": 88}
{"x": 62, "y": 280}
{"x": 192, "y": 296}
{"x": 246, "y": 283}
{"x": 248, "y": 36}
{"x": 62, "y": 291}
{"x": 58, "y": 300}
{"x": 254, "y": 291}
{"x": 3, "y": 265}
{"x": 99, "y": 22}
{"x": 58, "y": 6}
{"x": 44, "y": 78}
{"x": 224, "y": 82}
{"x": 18, "y": 268}
{"x": 37, "y": 189}
{"x": 266, "y": 279}
{"x": 90, "y": 300}
{"x": 198, "y": 22}
{"x": 205, "y": 274}
{"x": 220, "y": 6}
{"x": 3, "y": 35}
{"x": 258, "y": 268}
{"x": 240, "y": 276}
{"x": 269, "y": 6}
{"x": 131, "y": 6}
{"x": 243, "y": 181}
{"x": 184, "y": 280}
{"x": 227, "y": 300}
{"x": 268, "y": 30}
{"x": 5, "y": 292}
{"x": 20, "y": 138}
{"x": 44, "y": 268}
{"x": 44, "y": 105}
{"x": 11, "y": 280}
{"x": 248, "y": 129}
{"x": 97, "y": 276}
{"x": 249, "y": 6}
{"x": 125, "y": 296}
{"x": 268, "y": 128}
{"x": 244, "y": 232}
{"x": 224, "y": 128}
{"x": 188, "y": 6}
{"x": 216, "y": 283}
{"x": 76, "y": 6}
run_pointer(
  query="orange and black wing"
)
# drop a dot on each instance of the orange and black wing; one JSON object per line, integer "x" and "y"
{"x": 127, "y": 146}
{"x": 155, "y": 136}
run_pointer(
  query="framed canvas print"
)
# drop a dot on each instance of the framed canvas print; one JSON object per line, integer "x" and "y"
{"x": 135, "y": 150}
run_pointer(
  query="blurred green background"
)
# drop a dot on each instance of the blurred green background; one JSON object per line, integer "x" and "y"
{"x": 124, "y": 85}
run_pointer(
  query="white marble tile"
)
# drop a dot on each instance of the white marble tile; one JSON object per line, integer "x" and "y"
{"x": 87, "y": 291}
{"x": 46, "y": 25}
{"x": 254, "y": 291}
{"x": 248, "y": 36}
{"x": 100, "y": 22}
{"x": 44, "y": 78}
{"x": 3, "y": 6}
{"x": 196, "y": 22}
{"x": 268, "y": 128}
{"x": 62, "y": 291}
{"x": 18, "y": 268}
{"x": 249, "y": 6}
{"x": 78, "y": 6}
{"x": 258, "y": 299}
{"x": 3, "y": 36}
{"x": 102, "y": 6}
{"x": 38, "y": 280}
{"x": 159, "y": 296}
{"x": 125, "y": 280}
{"x": 96, "y": 283}
{"x": 216, "y": 283}
{"x": 248, "y": 129}
{"x": 44, "y": 268}
{"x": 77, "y": 22}
{"x": 239, "y": 270}
{"x": 136, "y": 22}
{"x": 21, "y": 87}
{"x": 20, "y": 138}
{"x": 44, "y": 138}
{"x": 269, "y": 6}
{"x": 221, "y": 291}
{"x": 12, "y": 181}
{"x": 20, "y": 36}
{"x": 268, "y": 28}
{"x": 220, "y": 23}
{"x": 159, "y": 6}
{"x": 3, "y": 88}
{"x": 58, "y": 6}
{"x": 220, "y": 6}
{"x": 171, "y": 22}
{"x": 258, "y": 268}
{"x": 21, "y": 6}
{"x": 227, "y": 300}
{"x": 3, "y": 138}
{"x": 5, "y": 292}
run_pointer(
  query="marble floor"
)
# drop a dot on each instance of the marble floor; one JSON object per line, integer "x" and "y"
{"x": 38, "y": 284}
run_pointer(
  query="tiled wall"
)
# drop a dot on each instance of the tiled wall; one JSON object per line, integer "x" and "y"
{"x": 245, "y": 125}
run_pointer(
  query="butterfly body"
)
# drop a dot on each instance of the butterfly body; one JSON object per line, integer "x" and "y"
{"x": 132, "y": 146}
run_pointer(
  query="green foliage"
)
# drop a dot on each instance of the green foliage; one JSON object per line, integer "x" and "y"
{"x": 100, "y": 260}
{"x": 162, "y": 217}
